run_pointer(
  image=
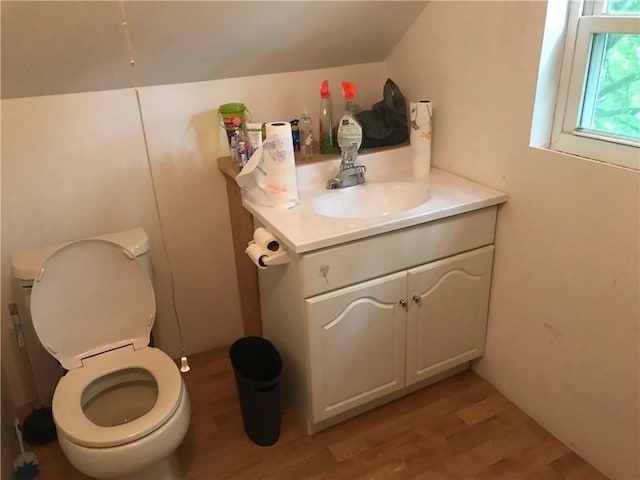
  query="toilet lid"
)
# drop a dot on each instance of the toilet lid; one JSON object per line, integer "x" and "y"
{"x": 91, "y": 296}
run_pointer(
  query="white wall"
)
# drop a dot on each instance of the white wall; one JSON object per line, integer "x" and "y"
{"x": 563, "y": 334}
{"x": 75, "y": 165}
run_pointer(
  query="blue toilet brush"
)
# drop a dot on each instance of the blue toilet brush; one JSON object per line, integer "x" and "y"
{"x": 25, "y": 466}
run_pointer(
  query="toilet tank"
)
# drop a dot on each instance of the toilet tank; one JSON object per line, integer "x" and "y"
{"x": 25, "y": 266}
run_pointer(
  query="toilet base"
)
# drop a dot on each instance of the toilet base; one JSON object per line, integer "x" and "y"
{"x": 149, "y": 458}
{"x": 166, "y": 469}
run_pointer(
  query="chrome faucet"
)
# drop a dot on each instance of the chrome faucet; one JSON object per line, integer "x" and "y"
{"x": 350, "y": 174}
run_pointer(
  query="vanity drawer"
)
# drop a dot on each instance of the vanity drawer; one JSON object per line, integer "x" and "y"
{"x": 353, "y": 262}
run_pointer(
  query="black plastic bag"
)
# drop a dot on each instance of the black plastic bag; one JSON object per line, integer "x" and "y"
{"x": 386, "y": 122}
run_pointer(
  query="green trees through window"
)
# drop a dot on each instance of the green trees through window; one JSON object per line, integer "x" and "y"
{"x": 611, "y": 102}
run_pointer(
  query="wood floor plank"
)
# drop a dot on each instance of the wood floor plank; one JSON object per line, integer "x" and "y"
{"x": 544, "y": 452}
{"x": 570, "y": 465}
{"x": 460, "y": 428}
{"x": 484, "y": 409}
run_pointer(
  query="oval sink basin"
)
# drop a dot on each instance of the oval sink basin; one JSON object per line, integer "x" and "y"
{"x": 372, "y": 200}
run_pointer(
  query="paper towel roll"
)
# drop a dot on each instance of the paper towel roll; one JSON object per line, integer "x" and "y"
{"x": 269, "y": 178}
{"x": 421, "y": 115}
{"x": 256, "y": 254}
{"x": 266, "y": 240}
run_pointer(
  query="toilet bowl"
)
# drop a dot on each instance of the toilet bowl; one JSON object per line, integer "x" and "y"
{"x": 122, "y": 408}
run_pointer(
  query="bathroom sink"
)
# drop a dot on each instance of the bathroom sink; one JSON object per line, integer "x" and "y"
{"x": 372, "y": 200}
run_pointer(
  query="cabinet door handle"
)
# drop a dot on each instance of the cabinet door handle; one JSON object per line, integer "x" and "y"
{"x": 403, "y": 303}
{"x": 416, "y": 299}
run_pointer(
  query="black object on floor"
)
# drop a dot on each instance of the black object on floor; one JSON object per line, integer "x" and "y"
{"x": 38, "y": 427}
{"x": 257, "y": 366}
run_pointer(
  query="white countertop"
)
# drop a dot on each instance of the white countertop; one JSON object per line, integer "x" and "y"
{"x": 303, "y": 230}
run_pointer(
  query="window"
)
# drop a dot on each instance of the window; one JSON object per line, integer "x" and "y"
{"x": 597, "y": 107}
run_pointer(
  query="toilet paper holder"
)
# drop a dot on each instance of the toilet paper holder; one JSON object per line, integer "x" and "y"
{"x": 266, "y": 250}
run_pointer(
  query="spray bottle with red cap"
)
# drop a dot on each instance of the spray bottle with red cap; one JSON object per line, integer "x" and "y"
{"x": 349, "y": 130}
{"x": 326, "y": 123}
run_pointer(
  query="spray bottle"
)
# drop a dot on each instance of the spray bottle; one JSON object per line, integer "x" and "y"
{"x": 326, "y": 123}
{"x": 349, "y": 130}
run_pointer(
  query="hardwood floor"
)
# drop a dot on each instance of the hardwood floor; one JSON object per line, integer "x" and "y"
{"x": 459, "y": 428}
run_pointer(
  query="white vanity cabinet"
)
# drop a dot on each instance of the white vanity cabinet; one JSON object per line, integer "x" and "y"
{"x": 363, "y": 322}
{"x": 376, "y": 337}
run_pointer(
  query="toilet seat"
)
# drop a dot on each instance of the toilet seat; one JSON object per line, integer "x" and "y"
{"x": 67, "y": 400}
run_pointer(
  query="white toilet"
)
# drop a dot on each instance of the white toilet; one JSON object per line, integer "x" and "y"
{"x": 122, "y": 408}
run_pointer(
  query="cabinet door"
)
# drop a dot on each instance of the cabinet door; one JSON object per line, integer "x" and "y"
{"x": 447, "y": 316}
{"x": 356, "y": 344}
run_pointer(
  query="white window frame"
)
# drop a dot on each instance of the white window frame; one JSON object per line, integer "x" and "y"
{"x": 565, "y": 135}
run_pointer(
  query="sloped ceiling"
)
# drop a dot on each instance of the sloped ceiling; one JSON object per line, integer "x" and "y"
{"x": 66, "y": 47}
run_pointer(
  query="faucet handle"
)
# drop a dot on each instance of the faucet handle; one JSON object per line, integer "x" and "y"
{"x": 349, "y": 154}
{"x": 358, "y": 170}
{"x": 349, "y": 149}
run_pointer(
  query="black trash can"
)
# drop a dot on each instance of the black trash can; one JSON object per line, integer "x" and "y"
{"x": 257, "y": 366}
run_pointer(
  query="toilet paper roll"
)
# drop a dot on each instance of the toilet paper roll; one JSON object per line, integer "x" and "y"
{"x": 421, "y": 116}
{"x": 266, "y": 240}
{"x": 257, "y": 255}
{"x": 269, "y": 178}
